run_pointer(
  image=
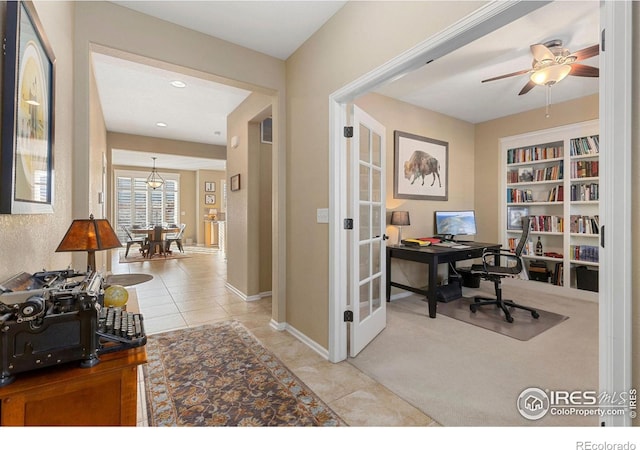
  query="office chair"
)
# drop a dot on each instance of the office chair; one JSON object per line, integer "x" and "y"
{"x": 495, "y": 272}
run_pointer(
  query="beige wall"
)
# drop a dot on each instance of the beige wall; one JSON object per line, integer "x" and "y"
{"x": 28, "y": 242}
{"x": 397, "y": 115}
{"x": 203, "y": 176}
{"x": 265, "y": 218}
{"x": 358, "y": 38}
{"x": 487, "y": 155}
{"x": 243, "y": 212}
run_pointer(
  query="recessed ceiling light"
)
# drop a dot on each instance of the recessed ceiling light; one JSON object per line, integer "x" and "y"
{"x": 161, "y": 124}
{"x": 178, "y": 84}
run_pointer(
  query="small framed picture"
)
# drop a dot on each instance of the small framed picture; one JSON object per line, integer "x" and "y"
{"x": 235, "y": 182}
{"x": 210, "y": 199}
{"x": 209, "y": 186}
{"x": 515, "y": 215}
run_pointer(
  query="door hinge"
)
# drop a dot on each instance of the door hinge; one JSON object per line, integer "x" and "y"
{"x": 602, "y": 236}
{"x": 602, "y": 40}
{"x": 348, "y": 132}
{"x": 348, "y": 224}
{"x": 348, "y": 316}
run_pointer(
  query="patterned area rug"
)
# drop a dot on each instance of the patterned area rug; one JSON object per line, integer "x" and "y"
{"x": 136, "y": 256}
{"x": 221, "y": 375}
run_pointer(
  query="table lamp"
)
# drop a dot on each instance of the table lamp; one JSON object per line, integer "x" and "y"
{"x": 400, "y": 219}
{"x": 213, "y": 212}
{"x": 89, "y": 235}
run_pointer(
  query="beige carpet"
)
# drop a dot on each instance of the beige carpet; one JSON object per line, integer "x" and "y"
{"x": 523, "y": 327}
{"x": 462, "y": 375}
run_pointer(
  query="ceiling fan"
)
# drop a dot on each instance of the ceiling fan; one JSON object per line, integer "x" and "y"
{"x": 552, "y": 63}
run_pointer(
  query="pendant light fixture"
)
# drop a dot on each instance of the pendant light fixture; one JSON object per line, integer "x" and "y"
{"x": 154, "y": 180}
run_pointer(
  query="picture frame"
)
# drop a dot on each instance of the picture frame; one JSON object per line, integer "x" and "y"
{"x": 514, "y": 217}
{"x": 234, "y": 183}
{"x": 28, "y": 102}
{"x": 209, "y": 186}
{"x": 421, "y": 167}
{"x": 210, "y": 199}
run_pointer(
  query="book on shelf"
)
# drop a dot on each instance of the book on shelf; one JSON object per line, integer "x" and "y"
{"x": 587, "y": 145}
{"x": 556, "y": 194}
{"x": 588, "y": 253}
{"x": 584, "y": 224}
{"x": 585, "y": 169}
{"x": 585, "y": 192}
{"x": 544, "y": 223}
{"x": 534, "y": 153}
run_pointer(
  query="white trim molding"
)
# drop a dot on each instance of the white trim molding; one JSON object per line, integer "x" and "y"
{"x": 615, "y": 332}
{"x": 242, "y": 295}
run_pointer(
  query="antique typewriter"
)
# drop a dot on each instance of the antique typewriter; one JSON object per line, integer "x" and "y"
{"x": 55, "y": 317}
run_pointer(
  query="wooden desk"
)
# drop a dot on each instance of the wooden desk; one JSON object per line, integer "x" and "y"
{"x": 105, "y": 394}
{"x": 431, "y": 255}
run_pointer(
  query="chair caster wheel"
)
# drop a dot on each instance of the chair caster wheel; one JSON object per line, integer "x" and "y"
{"x": 473, "y": 308}
{"x": 535, "y": 314}
{"x": 509, "y": 319}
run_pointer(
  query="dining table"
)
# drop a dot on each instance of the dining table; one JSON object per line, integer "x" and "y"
{"x": 148, "y": 231}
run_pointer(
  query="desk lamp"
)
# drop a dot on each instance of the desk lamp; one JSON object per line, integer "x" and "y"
{"x": 400, "y": 219}
{"x": 89, "y": 235}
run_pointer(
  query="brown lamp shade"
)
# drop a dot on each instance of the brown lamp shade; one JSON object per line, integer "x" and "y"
{"x": 89, "y": 235}
{"x": 400, "y": 218}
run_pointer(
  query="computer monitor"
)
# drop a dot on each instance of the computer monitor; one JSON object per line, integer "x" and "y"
{"x": 455, "y": 223}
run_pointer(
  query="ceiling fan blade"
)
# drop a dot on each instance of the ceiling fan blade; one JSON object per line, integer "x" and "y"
{"x": 580, "y": 70}
{"x": 541, "y": 52}
{"x": 527, "y": 87}
{"x": 586, "y": 52}
{"x": 520, "y": 72}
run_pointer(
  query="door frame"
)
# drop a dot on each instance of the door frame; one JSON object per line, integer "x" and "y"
{"x": 615, "y": 126}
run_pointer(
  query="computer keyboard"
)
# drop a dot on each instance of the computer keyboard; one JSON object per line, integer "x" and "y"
{"x": 451, "y": 245}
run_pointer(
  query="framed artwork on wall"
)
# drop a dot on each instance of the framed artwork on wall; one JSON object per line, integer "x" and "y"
{"x": 235, "y": 182}
{"x": 515, "y": 215}
{"x": 421, "y": 167}
{"x": 209, "y": 186}
{"x": 210, "y": 199}
{"x": 26, "y": 157}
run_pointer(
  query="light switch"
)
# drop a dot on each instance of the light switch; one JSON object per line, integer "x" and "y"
{"x": 323, "y": 215}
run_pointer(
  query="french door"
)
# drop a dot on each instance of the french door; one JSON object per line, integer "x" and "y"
{"x": 367, "y": 275}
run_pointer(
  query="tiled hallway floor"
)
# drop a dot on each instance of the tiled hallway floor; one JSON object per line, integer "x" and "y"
{"x": 191, "y": 291}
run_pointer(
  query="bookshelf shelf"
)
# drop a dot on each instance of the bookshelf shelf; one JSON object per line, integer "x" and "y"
{"x": 570, "y": 177}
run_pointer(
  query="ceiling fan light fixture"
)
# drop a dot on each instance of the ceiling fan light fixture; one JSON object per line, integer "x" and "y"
{"x": 550, "y": 75}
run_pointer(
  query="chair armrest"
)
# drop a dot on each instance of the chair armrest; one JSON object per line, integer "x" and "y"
{"x": 502, "y": 253}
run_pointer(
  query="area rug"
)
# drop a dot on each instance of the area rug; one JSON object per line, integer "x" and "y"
{"x": 524, "y": 326}
{"x": 136, "y": 256}
{"x": 221, "y": 375}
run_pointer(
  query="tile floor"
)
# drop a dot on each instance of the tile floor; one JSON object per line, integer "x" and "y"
{"x": 191, "y": 291}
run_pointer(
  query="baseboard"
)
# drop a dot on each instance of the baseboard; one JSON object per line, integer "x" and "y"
{"x": 265, "y": 294}
{"x": 400, "y": 295}
{"x": 242, "y": 295}
{"x": 278, "y": 326}
{"x": 313, "y": 345}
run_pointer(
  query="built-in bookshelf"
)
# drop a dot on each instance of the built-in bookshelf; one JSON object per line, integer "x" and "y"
{"x": 552, "y": 177}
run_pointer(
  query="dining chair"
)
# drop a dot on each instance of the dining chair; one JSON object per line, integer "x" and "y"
{"x": 175, "y": 237}
{"x": 156, "y": 243}
{"x": 131, "y": 240}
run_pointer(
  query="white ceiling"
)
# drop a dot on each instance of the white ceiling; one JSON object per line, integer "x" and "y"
{"x": 135, "y": 97}
{"x": 452, "y": 84}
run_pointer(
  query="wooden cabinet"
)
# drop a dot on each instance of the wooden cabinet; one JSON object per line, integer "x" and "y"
{"x": 105, "y": 394}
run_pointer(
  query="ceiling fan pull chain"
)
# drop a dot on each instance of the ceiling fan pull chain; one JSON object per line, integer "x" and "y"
{"x": 546, "y": 112}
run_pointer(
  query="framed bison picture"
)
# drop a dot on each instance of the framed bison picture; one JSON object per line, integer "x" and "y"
{"x": 421, "y": 167}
